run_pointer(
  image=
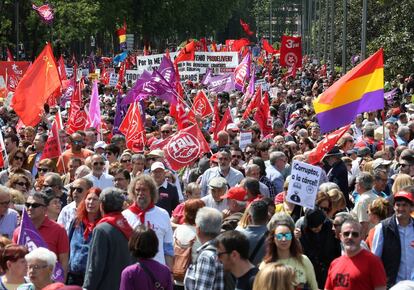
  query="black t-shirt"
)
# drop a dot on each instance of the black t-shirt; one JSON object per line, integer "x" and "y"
{"x": 245, "y": 282}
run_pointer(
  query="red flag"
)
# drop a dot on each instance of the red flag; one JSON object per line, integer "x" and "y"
{"x": 62, "y": 69}
{"x": 291, "y": 51}
{"x": 185, "y": 147}
{"x": 236, "y": 44}
{"x": 262, "y": 115}
{"x": 52, "y": 147}
{"x": 254, "y": 103}
{"x": 201, "y": 106}
{"x": 133, "y": 129}
{"x": 121, "y": 76}
{"x": 40, "y": 81}
{"x": 13, "y": 72}
{"x": 186, "y": 53}
{"x": 290, "y": 73}
{"x": 227, "y": 119}
{"x": 9, "y": 55}
{"x": 269, "y": 48}
{"x": 77, "y": 117}
{"x": 324, "y": 146}
{"x": 246, "y": 28}
{"x": 214, "y": 46}
{"x": 178, "y": 111}
{"x": 216, "y": 117}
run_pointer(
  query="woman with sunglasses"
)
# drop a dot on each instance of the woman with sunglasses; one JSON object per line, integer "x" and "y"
{"x": 284, "y": 248}
{"x": 80, "y": 233}
{"x": 46, "y": 165}
{"x": 20, "y": 182}
{"x": 17, "y": 160}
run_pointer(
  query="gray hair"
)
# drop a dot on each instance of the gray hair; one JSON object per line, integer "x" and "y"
{"x": 209, "y": 220}
{"x": 352, "y": 222}
{"x": 250, "y": 167}
{"x": 327, "y": 186}
{"x": 344, "y": 216}
{"x": 112, "y": 199}
{"x": 365, "y": 180}
{"x": 57, "y": 181}
{"x": 4, "y": 190}
{"x": 275, "y": 156}
{"x": 278, "y": 218}
{"x": 136, "y": 157}
{"x": 82, "y": 171}
{"x": 42, "y": 254}
{"x": 403, "y": 130}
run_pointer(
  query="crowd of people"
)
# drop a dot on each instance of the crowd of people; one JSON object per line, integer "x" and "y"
{"x": 118, "y": 219}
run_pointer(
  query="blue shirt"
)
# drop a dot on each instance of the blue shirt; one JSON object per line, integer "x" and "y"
{"x": 79, "y": 250}
{"x": 406, "y": 270}
{"x": 275, "y": 177}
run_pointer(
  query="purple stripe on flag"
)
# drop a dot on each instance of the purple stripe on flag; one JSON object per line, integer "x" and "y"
{"x": 338, "y": 117}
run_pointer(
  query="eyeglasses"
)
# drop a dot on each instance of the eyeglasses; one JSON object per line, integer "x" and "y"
{"x": 43, "y": 169}
{"x": 326, "y": 209}
{"x": 222, "y": 253}
{"x": 99, "y": 163}
{"x": 19, "y": 158}
{"x": 165, "y": 131}
{"x": 109, "y": 153}
{"x": 22, "y": 183}
{"x": 250, "y": 152}
{"x": 287, "y": 236}
{"x": 349, "y": 234}
{"x": 5, "y": 202}
{"x": 236, "y": 156}
{"x": 37, "y": 267}
{"x": 77, "y": 189}
{"x": 125, "y": 160}
{"x": 33, "y": 205}
{"x": 77, "y": 142}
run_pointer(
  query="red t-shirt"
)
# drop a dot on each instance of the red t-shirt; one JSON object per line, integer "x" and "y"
{"x": 53, "y": 234}
{"x": 361, "y": 272}
{"x": 178, "y": 213}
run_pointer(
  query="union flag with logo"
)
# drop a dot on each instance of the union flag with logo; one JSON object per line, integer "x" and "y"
{"x": 201, "y": 106}
{"x": 12, "y": 72}
{"x": 133, "y": 128}
{"x": 291, "y": 51}
{"x": 185, "y": 147}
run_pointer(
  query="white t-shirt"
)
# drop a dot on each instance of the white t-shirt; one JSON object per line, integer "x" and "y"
{"x": 159, "y": 220}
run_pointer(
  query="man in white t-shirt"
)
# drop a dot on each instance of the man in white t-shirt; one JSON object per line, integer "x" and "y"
{"x": 144, "y": 212}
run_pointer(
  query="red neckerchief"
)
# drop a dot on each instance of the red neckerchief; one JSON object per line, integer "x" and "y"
{"x": 89, "y": 226}
{"x": 117, "y": 220}
{"x": 140, "y": 212}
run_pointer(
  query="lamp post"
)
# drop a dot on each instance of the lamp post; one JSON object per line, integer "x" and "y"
{"x": 344, "y": 32}
{"x": 17, "y": 29}
{"x": 364, "y": 30}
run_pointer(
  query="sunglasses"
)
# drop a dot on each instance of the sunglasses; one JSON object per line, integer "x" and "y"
{"x": 19, "y": 158}
{"x": 21, "y": 183}
{"x": 236, "y": 156}
{"x": 78, "y": 142}
{"x": 349, "y": 234}
{"x": 99, "y": 163}
{"x": 165, "y": 132}
{"x": 33, "y": 205}
{"x": 287, "y": 236}
{"x": 326, "y": 209}
{"x": 77, "y": 189}
{"x": 125, "y": 160}
{"x": 43, "y": 169}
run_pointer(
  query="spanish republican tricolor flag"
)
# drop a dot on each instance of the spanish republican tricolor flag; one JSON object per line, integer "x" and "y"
{"x": 360, "y": 90}
{"x": 121, "y": 32}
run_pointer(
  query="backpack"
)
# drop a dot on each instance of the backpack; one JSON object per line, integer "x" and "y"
{"x": 182, "y": 259}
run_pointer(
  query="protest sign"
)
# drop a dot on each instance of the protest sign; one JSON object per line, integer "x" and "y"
{"x": 245, "y": 139}
{"x": 113, "y": 80}
{"x": 69, "y": 72}
{"x": 189, "y": 76}
{"x": 132, "y": 75}
{"x": 304, "y": 184}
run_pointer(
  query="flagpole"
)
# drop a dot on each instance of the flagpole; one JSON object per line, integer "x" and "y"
{"x": 58, "y": 139}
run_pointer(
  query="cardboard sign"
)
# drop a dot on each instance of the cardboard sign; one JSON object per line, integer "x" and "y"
{"x": 113, "y": 80}
{"x": 132, "y": 75}
{"x": 245, "y": 139}
{"x": 69, "y": 72}
{"x": 304, "y": 184}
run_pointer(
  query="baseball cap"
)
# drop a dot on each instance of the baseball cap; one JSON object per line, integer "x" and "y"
{"x": 214, "y": 158}
{"x": 404, "y": 194}
{"x": 237, "y": 193}
{"x": 380, "y": 162}
{"x": 232, "y": 127}
{"x": 157, "y": 165}
{"x": 157, "y": 153}
{"x": 217, "y": 182}
{"x": 99, "y": 144}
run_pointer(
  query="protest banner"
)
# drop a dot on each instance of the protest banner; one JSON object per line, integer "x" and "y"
{"x": 304, "y": 184}
{"x": 291, "y": 51}
{"x": 245, "y": 139}
{"x": 113, "y": 80}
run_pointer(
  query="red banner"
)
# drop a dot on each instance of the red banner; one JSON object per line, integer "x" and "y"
{"x": 12, "y": 72}
{"x": 52, "y": 146}
{"x": 291, "y": 51}
{"x": 201, "y": 106}
{"x": 185, "y": 147}
{"x": 133, "y": 129}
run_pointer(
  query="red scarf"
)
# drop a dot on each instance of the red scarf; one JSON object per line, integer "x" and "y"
{"x": 89, "y": 226}
{"x": 140, "y": 212}
{"x": 117, "y": 220}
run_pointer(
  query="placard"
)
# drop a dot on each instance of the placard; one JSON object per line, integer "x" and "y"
{"x": 132, "y": 75}
{"x": 303, "y": 184}
{"x": 245, "y": 139}
{"x": 113, "y": 80}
